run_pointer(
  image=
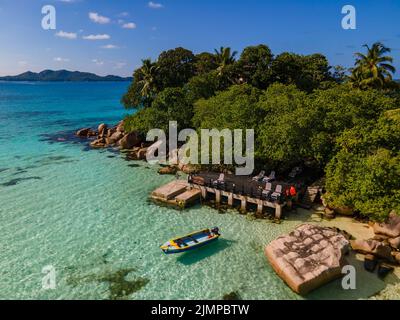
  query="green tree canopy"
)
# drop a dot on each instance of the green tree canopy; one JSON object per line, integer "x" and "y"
{"x": 203, "y": 86}
{"x": 175, "y": 68}
{"x": 365, "y": 173}
{"x": 235, "y": 108}
{"x": 255, "y": 66}
{"x": 169, "y": 105}
{"x": 205, "y": 63}
{"x": 284, "y": 133}
{"x": 306, "y": 72}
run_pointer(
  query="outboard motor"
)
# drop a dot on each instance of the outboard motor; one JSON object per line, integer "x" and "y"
{"x": 215, "y": 231}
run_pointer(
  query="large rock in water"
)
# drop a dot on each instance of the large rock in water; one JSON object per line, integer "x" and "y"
{"x": 308, "y": 257}
{"x": 130, "y": 140}
{"x": 141, "y": 154}
{"x": 101, "y": 130}
{"x": 168, "y": 170}
{"x": 114, "y": 138}
{"x": 391, "y": 228}
{"x": 373, "y": 247}
{"x": 120, "y": 126}
{"x": 86, "y": 133}
{"x": 98, "y": 143}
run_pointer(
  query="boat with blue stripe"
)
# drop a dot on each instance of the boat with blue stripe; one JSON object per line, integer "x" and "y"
{"x": 191, "y": 241}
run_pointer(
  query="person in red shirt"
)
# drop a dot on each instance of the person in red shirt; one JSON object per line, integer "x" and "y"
{"x": 292, "y": 191}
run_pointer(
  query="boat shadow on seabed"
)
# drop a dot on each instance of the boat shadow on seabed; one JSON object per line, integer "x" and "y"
{"x": 194, "y": 256}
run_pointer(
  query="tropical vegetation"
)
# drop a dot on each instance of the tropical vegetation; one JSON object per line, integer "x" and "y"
{"x": 342, "y": 124}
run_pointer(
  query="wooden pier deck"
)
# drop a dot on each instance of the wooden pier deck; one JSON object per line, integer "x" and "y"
{"x": 237, "y": 192}
{"x": 188, "y": 197}
{"x": 177, "y": 193}
{"x": 170, "y": 190}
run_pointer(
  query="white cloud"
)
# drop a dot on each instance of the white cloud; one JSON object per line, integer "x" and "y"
{"x": 155, "y": 5}
{"x": 110, "y": 46}
{"x": 119, "y": 65}
{"x": 66, "y": 35}
{"x": 129, "y": 25}
{"x": 98, "y": 62}
{"x": 124, "y": 14}
{"x": 97, "y": 37}
{"x": 96, "y": 18}
{"x": 59, "y": 59}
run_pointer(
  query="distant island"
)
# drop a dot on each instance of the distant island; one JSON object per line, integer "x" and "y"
{"x": 62, "y": 75}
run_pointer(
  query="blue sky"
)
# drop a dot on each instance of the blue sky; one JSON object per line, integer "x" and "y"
{"x": 138, "y": 29}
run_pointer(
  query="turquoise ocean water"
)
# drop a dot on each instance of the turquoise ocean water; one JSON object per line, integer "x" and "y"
{"x": 87, "y": 214}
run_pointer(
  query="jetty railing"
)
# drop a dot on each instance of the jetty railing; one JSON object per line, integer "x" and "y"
{"x": 237, "y": 188}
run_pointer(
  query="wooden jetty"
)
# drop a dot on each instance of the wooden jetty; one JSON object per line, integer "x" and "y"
{"x": 230, "y": 197}
{"x": 176, "y": 193}
{"x": 183, "y": 194}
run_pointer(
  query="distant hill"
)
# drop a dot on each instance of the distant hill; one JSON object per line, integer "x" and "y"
{"x": 62, "y": 75}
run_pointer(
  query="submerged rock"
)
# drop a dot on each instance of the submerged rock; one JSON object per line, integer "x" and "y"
{"x": 189, "y": 169}
{"x": 308, "y": 257}
{"x": 141, "y": 154}
{"x": 168, "y": 170}
{"x": 370, "y": 263}
{"x": 384, "y": 269}
{"x": 85, "y": 133}
{"x": 98, "y": 143}
{"x": 232, "y": 296}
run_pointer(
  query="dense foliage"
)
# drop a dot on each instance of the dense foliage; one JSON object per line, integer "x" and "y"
{"x": 365, "y": 173}
{"x": 303, "y": 111}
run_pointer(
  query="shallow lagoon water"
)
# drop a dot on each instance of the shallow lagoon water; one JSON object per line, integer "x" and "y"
{"x": 86, "y": 212}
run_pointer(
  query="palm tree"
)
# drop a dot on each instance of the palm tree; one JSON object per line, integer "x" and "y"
{"x": 224, "y": 58}
{"x": 148, "y": 81}
{"x": 373, "y": 69}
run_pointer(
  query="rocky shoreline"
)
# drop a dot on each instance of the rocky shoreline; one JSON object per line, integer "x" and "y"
{"x": 115, "y": 136}
{"x": 132, "y": 143}
{"x": 385, "y": 245}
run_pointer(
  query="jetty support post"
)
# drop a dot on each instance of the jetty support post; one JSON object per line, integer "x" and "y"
{"x": 203, "y": 192}
{"x": 243, "y": 204}
{"x": 230, "y": 199}
{"x": 217, "y": 196}
{"x": 278, "y": 211}
{"x": 260, "y": 207}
